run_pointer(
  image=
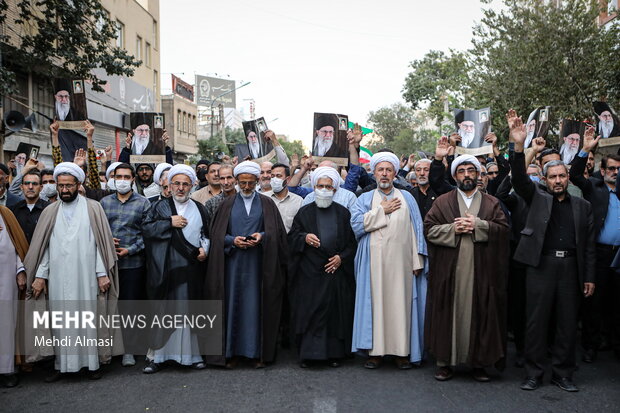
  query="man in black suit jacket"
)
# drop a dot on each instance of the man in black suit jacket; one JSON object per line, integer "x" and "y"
{"x": 557, "y": 246}
{"x": 600, "y": 309}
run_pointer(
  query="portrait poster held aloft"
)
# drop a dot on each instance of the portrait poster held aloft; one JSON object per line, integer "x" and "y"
{"x": 537, "y": 125}
{"x": 257, "y": 148}
{"x": 147, "y": 144}
{"x": 571, "y": 139}
{"x": 330, "y": 138}
{"x": 607, "y": 125}
{"x": 472, "y": 126}
{"x": 71, "y": 113}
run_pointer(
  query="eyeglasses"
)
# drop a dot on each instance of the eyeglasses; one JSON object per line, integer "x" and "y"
{"x": 142, "y": 130}
{"x": 28, "y": 183}
{"x": 493, "y": 173}
{"x": 183, "y": 184}
{"x": 247, "y": 183}
{"x": 66, "y": 186}
{"x": 483, "y": 174}
{"x": 331, "y": 188}
{"x": 144, "y": 168}
{"x": 612, "y": 168}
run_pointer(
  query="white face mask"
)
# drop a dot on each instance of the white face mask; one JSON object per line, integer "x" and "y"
{"x": 123, "y": 187}
{"x": 49, "y": 190}
{"x": 277, "y": 185}
{"x": 112, "y": 184}
{"x": 323, "y": 197}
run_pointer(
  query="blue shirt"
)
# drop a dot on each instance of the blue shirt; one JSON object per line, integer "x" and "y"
{"x": 126, "y": 220}
{"x": 350, "y": 184}
{"x": 610, "y": 233}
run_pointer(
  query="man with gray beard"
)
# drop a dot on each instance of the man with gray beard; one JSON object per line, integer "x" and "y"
{"x": 254, "y": 145}
{"x": 607, "y": 126}
{"x": 423, "y": 193}
{"x": 570, "y": 147}
{"x": 467, "y": 132}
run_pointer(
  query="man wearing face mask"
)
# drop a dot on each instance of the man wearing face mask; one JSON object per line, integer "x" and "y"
{"x": 126, "y": 212}
{"x": 109, "y": 174}
{"x": 389, "y": 270}
{"x": 287, "y": 202}
{"x": 212, "y": 187}
{"x": 247, "y": 270}
{"x": 48, "y": 186}
{"x": 72, "y": 257}
{"x": 321, "y": 279}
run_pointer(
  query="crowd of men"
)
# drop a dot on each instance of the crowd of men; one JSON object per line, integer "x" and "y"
{"x": 402, "y": 260}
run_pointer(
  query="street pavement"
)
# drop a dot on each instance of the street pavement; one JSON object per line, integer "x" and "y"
{"x": 284, "y": 386}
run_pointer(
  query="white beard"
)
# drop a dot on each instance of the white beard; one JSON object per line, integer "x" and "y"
{"x": 62, "y": 109}
{"x": 529, "y": 138}
{"x": 605, "y": 128}
{"x": 323, "y": 202}
{"x": 140, "y": 144}
{"x": 255, "y": 150}
{"x": 567, "y": 153}
{"x": 466, "y": 138}
{"x": 322, "y": 147}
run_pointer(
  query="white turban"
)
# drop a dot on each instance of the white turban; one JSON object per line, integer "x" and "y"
{"x": 111, "y": 169}
{"x": 69, "y": 168}
{"x": 160, "y": 170}
{"x": 247, "y": 167}
{"x": 325, "y": 172}
{"x": 384, "y": 157}
{"x": 464, "y": 158}
{"x": 182, "y": 169}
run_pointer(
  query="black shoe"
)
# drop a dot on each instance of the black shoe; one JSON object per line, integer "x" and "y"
{"x": 334, "y": 363}
{"x": 480, "y": 375}
{"x": 565, "y": 383}
{"x": 304, "y": 364}
{"x": 54, "y": 377}
{"x": 531, "y": 383}
{"x": 151, "y": 367}
{"x": 589, "y": 356}
{"x": 95, "y": 374}
{"x": 201, "y": 365}
{"x": 11, "y": 380}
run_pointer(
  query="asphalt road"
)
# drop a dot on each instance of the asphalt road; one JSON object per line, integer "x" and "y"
{"x": 286, "y": 387}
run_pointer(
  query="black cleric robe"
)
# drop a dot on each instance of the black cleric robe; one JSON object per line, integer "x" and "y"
{"x": 273, "y": 260}
{"x": 322, "y": 304}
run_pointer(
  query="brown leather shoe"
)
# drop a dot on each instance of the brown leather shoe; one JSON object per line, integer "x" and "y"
{"x": 231, "y": 363}
{"x": 403, "y": 363}
{"x": 480, "y": 375}
{"x": 444, "y": 374}
{"x": 373, "y": 362}
{"x": 259, "y": 364}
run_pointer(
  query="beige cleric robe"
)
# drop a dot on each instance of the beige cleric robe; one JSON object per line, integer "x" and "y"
{"x": 393, "y": 258}
{"x": 446, "y": 236}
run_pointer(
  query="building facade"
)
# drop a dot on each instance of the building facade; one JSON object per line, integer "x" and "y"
{"x": 181, "y": 116}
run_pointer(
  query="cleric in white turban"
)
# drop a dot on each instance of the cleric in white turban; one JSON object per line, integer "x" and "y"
{"x": 384, "y": 157}
{"x": 183, "y": 170}
{"x": 326, "y": 172}
{"x": 159, "y": 170}
{"x": 70, "y": 168}
{"x": 247, "y": 167}
{"x": 464, "y": 159}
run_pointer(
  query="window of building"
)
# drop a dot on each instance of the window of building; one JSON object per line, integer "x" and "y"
{"x": 21, "y": 95}
{"x": 179, "y": 120}
{"x": 138, "y": 47}
{"x": 147, "y": 54}
{"x": 120, "y": 34}
{"x": 194, "y": 125}
{"x": 43, "y": 98}
{"x": 155, "y": 82}
{"x": 155, "y": 43}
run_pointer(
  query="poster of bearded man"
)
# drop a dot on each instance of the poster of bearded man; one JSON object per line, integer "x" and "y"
{"x": 329, "y": 140}
{"x": 571, "y": 139}
{"x": 70, "y": 103}
{"x": 607, "y": 125}
{"x": 258, "y": 149}
{"x": 537, "y": 125}
{"x": 147, "y": 145}
{"x": 472, "y": 126}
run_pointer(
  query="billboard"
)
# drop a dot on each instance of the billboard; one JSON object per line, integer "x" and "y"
{"x": 183, "y": 89}
{"x": 210, "y": 88}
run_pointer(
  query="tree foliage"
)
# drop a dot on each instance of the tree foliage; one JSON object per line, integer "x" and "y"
{"x": 388, "y": 121}
{"x": 61, "y": 38}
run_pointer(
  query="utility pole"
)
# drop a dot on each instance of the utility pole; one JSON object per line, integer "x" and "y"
{"x": 222, "y": 122}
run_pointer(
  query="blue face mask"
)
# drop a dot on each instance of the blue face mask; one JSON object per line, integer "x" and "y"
{"x": 534, "y": 178}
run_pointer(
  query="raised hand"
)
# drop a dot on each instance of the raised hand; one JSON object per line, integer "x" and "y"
{"x": 165, "y": 137}
{"x": 539, "y": 144}
{"x": 454, "y": 139}
{"x": 80, "y": 157}
{"x": 442, "y": 149}
{"x": 491, "y": 138}
{"x": 411, "y": 161}
{"x": 128, "y": 140}
{"x": 517, "y": 128}
{"x": 294, "y": 162}
{"x": 589, "y": 141}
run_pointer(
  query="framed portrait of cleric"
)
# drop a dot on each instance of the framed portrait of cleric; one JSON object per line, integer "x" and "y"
{"x": 258, "y": 149}
{"x": 147, "y": 144}
{"x": 537, "y": 125}
{"x": 571, "y": 139}
{"x": 70, "y": 103}
{"x": 329, "y": 140}
{"x": 472, "y": 126}
{"x": 607, "y": 125}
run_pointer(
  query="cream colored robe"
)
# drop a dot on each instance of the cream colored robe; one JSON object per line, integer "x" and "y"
{"x": 393, "y": 258}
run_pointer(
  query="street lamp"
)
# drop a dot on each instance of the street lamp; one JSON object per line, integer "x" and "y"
{"x": 215, "y": 99}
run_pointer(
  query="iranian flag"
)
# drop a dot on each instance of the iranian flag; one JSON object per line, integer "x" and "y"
{"x": 365, "y": 155}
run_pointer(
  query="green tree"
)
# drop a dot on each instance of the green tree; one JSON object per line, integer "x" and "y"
{"x": 290, "y": 148}
{"x": 531, "y": 53}
{"x": 389, "y": 121}
{"x": 60, "y": 38}
{"x": 436, "y": 78}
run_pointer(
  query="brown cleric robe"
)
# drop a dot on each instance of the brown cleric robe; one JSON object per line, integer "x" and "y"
{"x": 274, "y": 264}
{"x": 466, "y": 302}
